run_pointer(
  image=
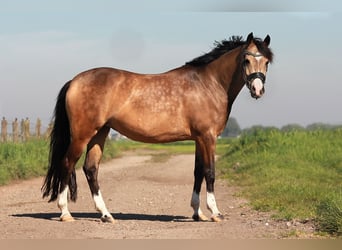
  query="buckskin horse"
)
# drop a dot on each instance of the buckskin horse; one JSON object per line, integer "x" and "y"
{"x": 192, "y": 102}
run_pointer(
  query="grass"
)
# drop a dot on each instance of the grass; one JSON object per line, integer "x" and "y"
{"x": 329, "y": 216}
{"x": 182, "y": 147}
{"x": 296, "y": 174}
{"x": 22, "y": 160}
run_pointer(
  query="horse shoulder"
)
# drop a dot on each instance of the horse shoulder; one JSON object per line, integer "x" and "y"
{"x": 206, "y": 104}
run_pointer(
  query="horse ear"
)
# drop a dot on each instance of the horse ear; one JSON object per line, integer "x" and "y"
{"x": 249, "y": 38}
{"x": 267, "y": 40}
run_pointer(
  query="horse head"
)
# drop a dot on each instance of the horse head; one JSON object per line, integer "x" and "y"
{"x": 256, "y": 57}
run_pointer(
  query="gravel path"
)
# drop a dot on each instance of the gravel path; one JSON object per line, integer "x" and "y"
{"x": 148, "y": 199}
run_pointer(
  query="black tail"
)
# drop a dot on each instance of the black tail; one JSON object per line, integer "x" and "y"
{"x": 56, "y": 177}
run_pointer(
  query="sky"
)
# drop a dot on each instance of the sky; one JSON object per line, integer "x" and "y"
{"x": 43, "y": 44}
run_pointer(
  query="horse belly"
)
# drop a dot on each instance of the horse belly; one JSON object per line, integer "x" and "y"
{"x": 153, "y": 128}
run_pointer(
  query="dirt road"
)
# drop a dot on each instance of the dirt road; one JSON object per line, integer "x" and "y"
{"x": 148, "y": 199}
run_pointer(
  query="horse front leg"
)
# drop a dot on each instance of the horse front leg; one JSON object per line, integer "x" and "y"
{"x": 207, "y": 145}
{"x": 199, "y": 176}
{"x": 216, "y": 215}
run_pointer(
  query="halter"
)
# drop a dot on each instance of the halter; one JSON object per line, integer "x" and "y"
{"x": 251, "y": 77}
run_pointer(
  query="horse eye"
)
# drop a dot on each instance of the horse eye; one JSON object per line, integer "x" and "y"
{"x": 246, "y": 62}
{"x": 267, "y": 65}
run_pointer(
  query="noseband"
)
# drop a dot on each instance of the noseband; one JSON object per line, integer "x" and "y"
{"x": 251, "y": 77}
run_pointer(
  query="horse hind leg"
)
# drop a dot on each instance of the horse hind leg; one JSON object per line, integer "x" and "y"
{"x": 91, "y": 167}
{"x": 63, "y": 205}
{"x": 69, "y": 179}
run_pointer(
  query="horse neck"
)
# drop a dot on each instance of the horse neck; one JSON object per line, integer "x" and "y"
{"x": 227, "y": 71}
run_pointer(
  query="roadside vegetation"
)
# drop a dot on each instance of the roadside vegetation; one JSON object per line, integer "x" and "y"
{"x": 296, "y": 174}
{"x": 22, "y": 160}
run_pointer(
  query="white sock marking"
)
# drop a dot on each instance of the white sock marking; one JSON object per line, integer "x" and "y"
{"x": 100, "y": 205}
{"x": 63, "y": 202}
{"x": 211, "y": 203}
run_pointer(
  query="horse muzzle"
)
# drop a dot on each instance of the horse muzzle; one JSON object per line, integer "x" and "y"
{"x": 255, "y": 83}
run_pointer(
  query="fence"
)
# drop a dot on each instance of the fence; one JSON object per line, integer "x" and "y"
{"x": 24, "y": 130}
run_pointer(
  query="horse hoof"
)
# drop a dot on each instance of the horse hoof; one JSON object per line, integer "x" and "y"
{"x": 217, "y": 218}
{"x": 200, "y": 217}
{"x": 108, "y": 219}
{"x": 67, "y": 218}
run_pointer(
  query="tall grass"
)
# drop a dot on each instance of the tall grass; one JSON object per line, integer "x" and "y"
{"x": 22, "y": 160}
{"x": 30, "y": 159}
{"x": 297, "y": 174}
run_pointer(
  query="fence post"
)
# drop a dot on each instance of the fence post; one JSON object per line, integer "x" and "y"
{"x": 26, "y": 129}
{"x": 38, "y": 126}
{"x": 15, "y": 130}
{"x": 4, "y": 129}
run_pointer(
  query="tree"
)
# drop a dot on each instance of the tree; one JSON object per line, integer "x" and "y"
{"x": 319, "y": 125}
{"x": 292, "y": 127}
{"x": 232, "y": 128}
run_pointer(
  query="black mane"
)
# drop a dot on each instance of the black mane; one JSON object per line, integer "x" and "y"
{"x": 228, "y": 45}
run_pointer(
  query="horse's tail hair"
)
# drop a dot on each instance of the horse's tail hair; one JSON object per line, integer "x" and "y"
{"x": 55, "y": 180}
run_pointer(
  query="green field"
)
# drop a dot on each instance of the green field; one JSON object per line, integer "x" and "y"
{"x": 22, "y": 160}
{"x": 30, "y": 159}
{"x": 295, "y": 174}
